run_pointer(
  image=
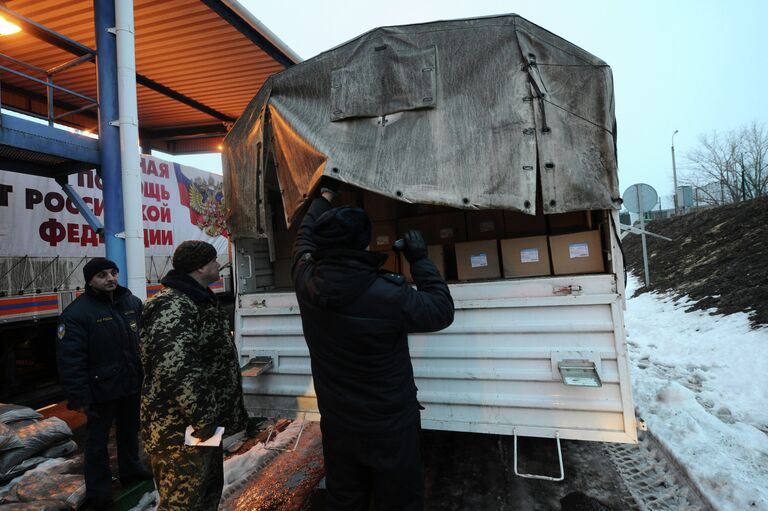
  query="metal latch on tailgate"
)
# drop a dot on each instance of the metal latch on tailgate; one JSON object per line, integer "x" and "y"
{"x": 577, "y": 368}
{"x": 256, "y": 366}
{"x": 581, "y": 373}
{"x": 566, "y": 290}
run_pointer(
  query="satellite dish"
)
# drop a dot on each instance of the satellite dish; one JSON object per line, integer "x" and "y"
{"x": 640, "y": 198}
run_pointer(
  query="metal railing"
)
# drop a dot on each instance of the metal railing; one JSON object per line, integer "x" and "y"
{"x": 50, "y": 86}
{"x": 25, "y": 274}
{"x": 46, "y": 76}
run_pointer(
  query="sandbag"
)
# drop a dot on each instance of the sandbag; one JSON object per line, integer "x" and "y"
{"x": 35, "y": 438}
{"x": 60, "y": 450}
{"x": 8, "y": 438}
{"x": 21, "y": 468}
{"x": 67, "y": 488}
{"x": 23, "y": 423}
{"x": 51, "y": 483}
{"x": 12, "y": 413}
{"x": 40, "y": 505}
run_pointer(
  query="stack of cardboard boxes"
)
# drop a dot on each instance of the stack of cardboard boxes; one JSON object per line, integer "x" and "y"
{"x": 383, "y": 214}
{"x": 476, "y": 245}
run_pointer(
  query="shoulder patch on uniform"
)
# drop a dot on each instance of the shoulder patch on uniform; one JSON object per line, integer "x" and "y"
{"x": 60, "y": 331}
{"x": 393, "y": 277}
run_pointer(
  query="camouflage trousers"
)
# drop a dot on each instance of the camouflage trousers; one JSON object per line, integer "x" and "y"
{"x": 189, "y": 478}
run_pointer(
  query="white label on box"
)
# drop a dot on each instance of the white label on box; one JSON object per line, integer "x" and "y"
{"x": 382, "y": 240}
{"x": 478, "y": 261}
{"x": 529, "y": 255}
{"x": 487, "y": 226}
{"x": 446, "y": 232}
{"x": 576, "y": 250}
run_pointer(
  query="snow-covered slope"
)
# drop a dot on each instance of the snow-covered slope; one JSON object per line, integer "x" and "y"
{"x": 701, "y": 384}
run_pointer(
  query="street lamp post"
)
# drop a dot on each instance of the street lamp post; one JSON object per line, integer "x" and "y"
{"x": 674, "y": 174}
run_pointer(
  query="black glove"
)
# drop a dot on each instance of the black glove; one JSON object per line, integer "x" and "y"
{"x": 415, "y": 247}
{"x": 329, "y": 184}
{"x": 205, "y": 432}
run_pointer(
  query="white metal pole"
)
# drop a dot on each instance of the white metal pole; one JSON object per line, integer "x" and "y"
{"x": 642, "y": 237}
{"x": 674, "y": 172}
{"x": 129, "y": 148}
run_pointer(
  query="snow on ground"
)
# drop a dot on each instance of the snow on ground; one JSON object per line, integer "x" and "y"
{"x": 701, "y": 384}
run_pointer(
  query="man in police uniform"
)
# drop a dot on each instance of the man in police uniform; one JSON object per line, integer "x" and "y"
{"x": 192, "y": 379}
{"x": 98, "y": 359}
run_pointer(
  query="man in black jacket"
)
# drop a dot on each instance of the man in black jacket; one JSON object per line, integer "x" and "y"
{"x": 356, "y": 318}
{"x": 99, "y": 368}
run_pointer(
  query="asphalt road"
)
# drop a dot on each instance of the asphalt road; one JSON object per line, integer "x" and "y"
{"x": 474, "y": 472}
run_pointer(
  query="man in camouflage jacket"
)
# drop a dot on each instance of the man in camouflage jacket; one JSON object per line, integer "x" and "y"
{"x": 192, "y": 378}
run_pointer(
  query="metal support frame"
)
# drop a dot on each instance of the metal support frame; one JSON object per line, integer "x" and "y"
{"x": 236, "y": 21}
{"x": 50, "y": 88}
{"x": 295, "y": 445}
{"x": 35, "y": 137}
{"x": 82, "y": 207}
{"x": 109, "y": 135}
{"x": 86, "y": 54}
{"x": 632, "y": 229}
{"x": 181, "y": 98}
{"x": 536, "y": 476}
{"x": 45, "y": 34}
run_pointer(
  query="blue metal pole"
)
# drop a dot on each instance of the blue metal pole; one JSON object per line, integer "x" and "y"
{"x": 109, "y": 136}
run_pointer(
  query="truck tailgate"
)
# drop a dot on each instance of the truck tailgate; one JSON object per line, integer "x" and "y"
{"x": 494, "y": 370}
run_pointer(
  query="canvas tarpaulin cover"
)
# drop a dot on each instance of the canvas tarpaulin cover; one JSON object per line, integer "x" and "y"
{"x": 460, "y": 113}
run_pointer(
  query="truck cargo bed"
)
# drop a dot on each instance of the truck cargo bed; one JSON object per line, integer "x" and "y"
{"x": 494, "y": 370}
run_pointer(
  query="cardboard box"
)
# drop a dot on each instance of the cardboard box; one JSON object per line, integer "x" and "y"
{"x": 282, "y": 273}
{"x": 348, "y": 196}
{"x": 485, "y": 225}
{"x": 448, "y": 228}
{"x": 579, "y": 252}
{"x": 478, "y": 260}
{"x": 525, "y": 257}
{"x": 380, "y": 207}
{"x": 436, "y": 254}
{"x": 569, "y": 222}
{"x": 520, "y": 224}
{"x": 430, "y": 209}
{"x": 421, "y": 223}
{"x": 391, "y": 264}
{"x": 383, "y": 234}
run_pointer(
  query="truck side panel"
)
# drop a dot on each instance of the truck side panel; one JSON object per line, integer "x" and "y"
{"x": 493, "y": 371}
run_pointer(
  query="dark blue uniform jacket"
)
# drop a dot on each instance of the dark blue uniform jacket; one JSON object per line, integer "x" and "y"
{"x": 97, "y": 348}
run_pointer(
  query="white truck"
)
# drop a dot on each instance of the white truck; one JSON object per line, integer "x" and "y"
{"x": 45, "y": 241}
{"x": 498, "y": 139}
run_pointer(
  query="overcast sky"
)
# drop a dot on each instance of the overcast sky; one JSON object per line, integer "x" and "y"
{"x": 692, "y": 66}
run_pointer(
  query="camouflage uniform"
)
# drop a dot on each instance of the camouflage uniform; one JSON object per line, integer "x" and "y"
{"x": 189, "y": 477}
{"x": 192, "y": 378}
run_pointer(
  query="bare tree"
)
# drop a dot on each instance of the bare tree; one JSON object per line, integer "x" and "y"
{"x": 730, "y": 167}
{"x": 754, "y": 161}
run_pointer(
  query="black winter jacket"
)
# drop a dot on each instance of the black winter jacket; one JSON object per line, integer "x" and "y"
{"x": 356, "y": 318}
{"x": 97, "y": 347}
